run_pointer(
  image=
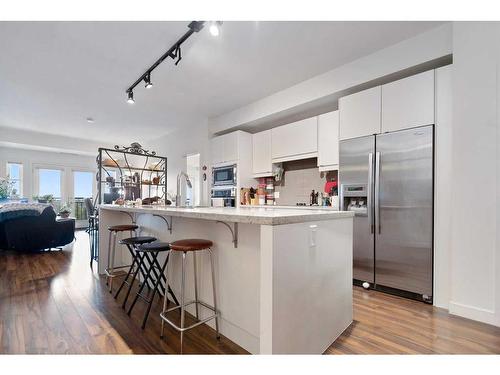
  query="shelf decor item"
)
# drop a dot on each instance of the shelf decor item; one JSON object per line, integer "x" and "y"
{"x": 129, "y": 173}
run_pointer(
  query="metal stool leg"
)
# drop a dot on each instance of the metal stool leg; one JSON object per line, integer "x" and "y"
{"x": 132, "y": 282}
{"x": 140, "y": 289}
{"x": 165, "y": 301}
{"x": 111, "y": 269}
{"x": 215, "y": 294}
{"x": 128, "y": 273}
{"x": 155, "y": 289}
{"x": 109, "y": 256}
{"x": 183, "y": 282}
{"x": 195, "y": 285}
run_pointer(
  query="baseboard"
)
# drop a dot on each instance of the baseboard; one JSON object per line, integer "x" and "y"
{"x": 474, "y": 313}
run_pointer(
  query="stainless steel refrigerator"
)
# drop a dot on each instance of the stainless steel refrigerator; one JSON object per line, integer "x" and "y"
{"x": 387, "y": 180}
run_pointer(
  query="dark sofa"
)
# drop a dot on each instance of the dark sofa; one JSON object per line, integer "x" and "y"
{"x": 35, "y": 233}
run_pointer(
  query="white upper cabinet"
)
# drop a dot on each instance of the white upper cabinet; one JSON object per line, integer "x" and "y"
{"x": 217, "y": 149}
{"x": 408, "y": 103}
{"x": 298, "y": 140}
{"x": 262, "y": 164}
{"x": 227, "y": 148}
{"x": 360, "y": 113}
{"x": 231, "y": 147}
{"x": 328, "y": 141}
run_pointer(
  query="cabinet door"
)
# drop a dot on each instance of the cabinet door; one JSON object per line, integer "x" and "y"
{"x": 217, "y": 149}
{"x": 408, "y": 103}
{"x": 328, "y": 140}
{"x": 231, "y": 147}
{"x": 294, "y": 141}
{"x": 360, "y": 113}
{"x": 262, "y": 158}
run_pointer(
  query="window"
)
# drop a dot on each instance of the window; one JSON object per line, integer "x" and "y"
{"x": 15, "y": 173}
{"x": 82, "y": 182}
{"x": 82, "y": 188}
{"x": 49, "y": 182}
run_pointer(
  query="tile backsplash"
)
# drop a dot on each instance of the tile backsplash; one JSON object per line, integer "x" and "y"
{"x": 299, "y": 179}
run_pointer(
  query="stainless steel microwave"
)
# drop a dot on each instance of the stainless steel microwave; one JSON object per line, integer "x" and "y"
{"x": 223, "y": 176}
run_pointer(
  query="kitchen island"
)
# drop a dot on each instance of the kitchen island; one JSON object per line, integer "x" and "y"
{"x": 283, "y": 276}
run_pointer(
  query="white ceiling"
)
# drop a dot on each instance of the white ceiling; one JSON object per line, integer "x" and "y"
{"x": 53, "y": 75}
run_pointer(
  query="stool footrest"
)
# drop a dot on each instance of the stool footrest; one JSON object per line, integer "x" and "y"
{"x": 108, "y": 272}
{"x": 163, "y": 316}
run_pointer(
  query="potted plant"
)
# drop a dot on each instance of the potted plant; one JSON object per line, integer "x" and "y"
{"x": 65, "y": 211}
{"x": 5, "y": 188}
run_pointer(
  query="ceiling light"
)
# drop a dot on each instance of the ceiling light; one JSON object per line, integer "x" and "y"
{"x": 130, "y": 99}
{"x": 215, "y": 28}
{"x": 147, "y": 81}
{"x": 90, "y": 120}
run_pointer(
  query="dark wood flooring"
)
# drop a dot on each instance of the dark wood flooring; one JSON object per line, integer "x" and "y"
{"x": 52, "y": 303}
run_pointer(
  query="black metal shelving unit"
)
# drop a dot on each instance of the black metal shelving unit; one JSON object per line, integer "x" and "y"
{"x": 130, "y": 179}
{"x": 115, "y": 170}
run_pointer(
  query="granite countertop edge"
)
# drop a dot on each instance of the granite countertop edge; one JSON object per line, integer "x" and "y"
{"x": 257, "y": 215}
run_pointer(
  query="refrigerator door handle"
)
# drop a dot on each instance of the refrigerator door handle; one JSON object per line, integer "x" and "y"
{"x": 369, "y": 206}
{"x": 377, "y": 192}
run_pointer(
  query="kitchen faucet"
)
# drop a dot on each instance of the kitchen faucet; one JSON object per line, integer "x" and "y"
{"x": 179, "y": 193}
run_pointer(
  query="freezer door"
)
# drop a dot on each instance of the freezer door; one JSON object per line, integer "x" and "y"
{"x": 356, "y": 171}
{"x": 404, "y": 210}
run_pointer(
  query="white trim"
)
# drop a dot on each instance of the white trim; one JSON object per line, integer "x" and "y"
{"x": 474, "y": 313}
{"x": 296, "y": 157}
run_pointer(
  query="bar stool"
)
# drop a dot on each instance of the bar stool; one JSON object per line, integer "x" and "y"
{"x": 132, "y": 244}
{"x": 185, "y": 246}
{"x": 142, "y": 252}
{"x": 110, "y": 270}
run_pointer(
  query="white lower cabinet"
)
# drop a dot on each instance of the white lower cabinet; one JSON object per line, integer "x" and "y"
{"x": 328, "y": 141}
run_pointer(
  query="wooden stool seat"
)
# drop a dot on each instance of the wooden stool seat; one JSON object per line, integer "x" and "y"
{"x": 191, "y": 244}
{"x": 123, "y": 227}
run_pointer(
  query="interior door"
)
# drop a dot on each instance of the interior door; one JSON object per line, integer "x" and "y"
{"x": 356, "y": 174}
{"x": 404, "y": 210}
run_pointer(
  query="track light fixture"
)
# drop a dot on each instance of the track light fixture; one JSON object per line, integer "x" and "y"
{"x": 130, "y": 99}
{"x": 174, "y": 53}
{"x": 147, "y": 81}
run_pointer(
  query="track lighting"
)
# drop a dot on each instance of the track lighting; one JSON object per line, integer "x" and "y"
{"x": 147, "y": 81}
{"x": 130, "y": 99}
{"x": 174, "y": 53}
{"x": 215, "y": 28}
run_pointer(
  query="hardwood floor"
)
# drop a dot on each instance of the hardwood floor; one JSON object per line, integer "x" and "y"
{"x": 52, "y": 303}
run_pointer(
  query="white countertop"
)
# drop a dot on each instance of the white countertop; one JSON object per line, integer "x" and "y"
{"x": 268, "y": 215}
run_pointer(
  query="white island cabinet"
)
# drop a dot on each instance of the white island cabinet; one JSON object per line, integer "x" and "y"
{"x": 283, "y": 276}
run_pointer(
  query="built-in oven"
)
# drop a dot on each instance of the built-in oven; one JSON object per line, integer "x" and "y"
{"x": 224, "y": 176}
{"x": 223, "y": 196}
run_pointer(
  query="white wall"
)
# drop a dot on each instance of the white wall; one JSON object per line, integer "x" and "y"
{"x": 31, "y": 158}
{"x": 424, "y": 47}
{"x": 475, "y": 208}
{"x": 177, "y": 145}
